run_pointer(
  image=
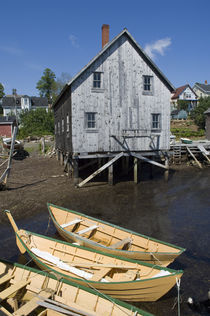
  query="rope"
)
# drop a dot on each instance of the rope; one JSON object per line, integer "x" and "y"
{"x": 177, "y": 300}
{"x": 152, "y": 254}
{"x": 48, "y": 226}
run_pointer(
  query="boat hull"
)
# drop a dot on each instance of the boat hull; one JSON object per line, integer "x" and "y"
{"x": 147, "y": 288}
{"x": 143, "y": 248}
{"x": 64, "y": 292}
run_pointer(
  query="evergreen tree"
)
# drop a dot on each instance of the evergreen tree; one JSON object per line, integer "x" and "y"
{"x": 1, "y": 90}
{"x": 47, "y": 85}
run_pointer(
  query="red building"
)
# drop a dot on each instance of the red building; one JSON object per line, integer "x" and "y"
{"x": 7, "y": 124}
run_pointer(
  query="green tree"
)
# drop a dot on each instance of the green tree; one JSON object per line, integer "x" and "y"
{"x": 37, "y": 122}
{"x": 47, "y": 85}
{"x": 1, "y": 90}
{"x": 198, "y": 113}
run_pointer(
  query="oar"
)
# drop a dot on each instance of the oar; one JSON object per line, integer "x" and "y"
{"x": 16, "y": 230}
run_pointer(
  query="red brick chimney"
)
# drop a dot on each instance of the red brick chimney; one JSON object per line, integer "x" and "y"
{"x": 205, "y": 81}
{"x": 105, "y": 34}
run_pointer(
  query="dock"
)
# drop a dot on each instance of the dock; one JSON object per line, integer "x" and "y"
{"x": 197, "y": 151}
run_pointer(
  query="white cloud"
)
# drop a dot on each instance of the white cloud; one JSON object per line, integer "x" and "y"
{"x": 11, "y": 50}
{"x": 74, "y": 40}
{"x": 157, "y": 47}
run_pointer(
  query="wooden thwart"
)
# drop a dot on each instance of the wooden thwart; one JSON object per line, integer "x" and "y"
{"x": 121, "y": 243}
{"x": 6, "y": 278}
{"x": 74, "y": 222}
{"x": 100, "y": 274}
{"x": 86, "y": 230}
{"x": 12, "y": 289}
{"x": 31, "y": 305}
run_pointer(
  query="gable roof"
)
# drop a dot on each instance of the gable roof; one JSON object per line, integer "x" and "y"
{"x": 108, "y": 45}
{"x": 203, "y": 87}
{"x": 11, "y": 101}
{"x": 181, "y": 89}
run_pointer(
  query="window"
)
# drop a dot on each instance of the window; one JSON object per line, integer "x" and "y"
{"x": 62, "y": 125}
{"x": 25, "y": 101}
{"x": 67, "y": 122}
{"x": 59, "y": 128}
{"x": 90, "y": 120}
{"x": 156, "y": 122}
{"x": 147, "y": 85}
{"x": 97, "y": 80}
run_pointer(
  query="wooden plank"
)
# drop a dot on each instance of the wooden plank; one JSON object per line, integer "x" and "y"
{"x": 196, "y": 160}
{"x": 6, "y": 278}
{"x": 121, "y": 243}
{"x": 12, "y": 289}
{"x": 148, "y": 160}
{"x": 86, "y": 230}
{"x": 204, "y": 152}
{"x": 109, "y": 163}
{"x": 100, "y": 274}
{"x": 75, "y": 221}
{"x": 5, "y": 311}
{"x": 73, "y": 308}
{"x": 31, "y": 305}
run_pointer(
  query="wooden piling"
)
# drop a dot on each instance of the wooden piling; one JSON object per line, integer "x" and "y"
{"x": 76, "y": 170}
{"x": 135, "y": 169}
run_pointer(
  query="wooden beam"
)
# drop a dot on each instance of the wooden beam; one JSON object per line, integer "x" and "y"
{"x": 109, "y": 163}
{"x": 139, "y": 156}
{"x": 31, "y": 305}
{"x": 74, "y": 309}
{"x": 204, "y": 152}
{"x": 196, "y": 160}
{"x": 135, "y": 170}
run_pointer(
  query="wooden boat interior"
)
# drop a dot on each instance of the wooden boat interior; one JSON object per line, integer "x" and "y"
{"x": 82, "y": 262}
{"x": 24, "y": 290}
{"x": 106, "y": 234}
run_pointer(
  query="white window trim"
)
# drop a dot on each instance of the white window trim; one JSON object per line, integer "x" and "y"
{"x": 91, "y": 129}
{"x": 151, "y": 91}
{"x": 156, "y": 129}
{"x": 101, "y": 88}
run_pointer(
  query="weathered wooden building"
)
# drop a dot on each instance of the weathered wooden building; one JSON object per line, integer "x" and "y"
{"x": 117, "y": 105}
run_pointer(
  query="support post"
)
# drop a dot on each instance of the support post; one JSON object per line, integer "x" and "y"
{"x": 166, "y": 173}
{"x": 110, "y": 174}
{"x": 61, "y": 159}
{"x": 135, "y": 169}
{"x": 76, "y": 170}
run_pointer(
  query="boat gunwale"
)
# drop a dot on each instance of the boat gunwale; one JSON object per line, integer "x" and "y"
{"x": 172, "y": 271}
{"x": 118, "y": 227}
{"x": 80, "y": 286}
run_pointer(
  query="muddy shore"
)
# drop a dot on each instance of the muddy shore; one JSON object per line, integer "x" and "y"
{"x": 176, "y": 212}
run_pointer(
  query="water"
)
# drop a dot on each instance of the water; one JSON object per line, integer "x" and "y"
{"x": 177, "y": 212}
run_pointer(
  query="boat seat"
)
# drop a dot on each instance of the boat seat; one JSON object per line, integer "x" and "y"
{"x": 6, "y": 278}
{"x": 86, "y": 230}
{"x": 31, "y": 305}
{"x": 74, "y": 222}
{"x": 12, "y": 289}
{"x": 121, "y": 243}
{"x": 100, "y": 274}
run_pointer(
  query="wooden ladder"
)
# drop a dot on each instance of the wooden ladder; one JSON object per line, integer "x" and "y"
{"x": 177, "y": 155}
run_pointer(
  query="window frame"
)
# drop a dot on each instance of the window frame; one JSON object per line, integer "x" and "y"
{"x": 154, "y": 121}
{"x": 90, "y": 123}
{"x": 148, "y": 81}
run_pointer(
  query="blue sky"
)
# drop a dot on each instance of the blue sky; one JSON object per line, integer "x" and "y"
{"x": 64, "y": 35}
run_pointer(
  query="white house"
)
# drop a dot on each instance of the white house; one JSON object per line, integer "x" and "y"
{"x": 14, "y": 104}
